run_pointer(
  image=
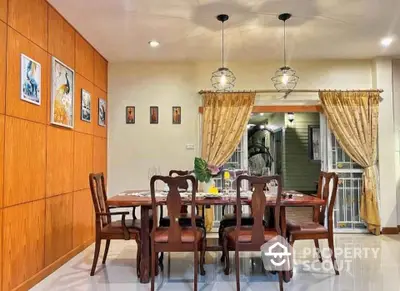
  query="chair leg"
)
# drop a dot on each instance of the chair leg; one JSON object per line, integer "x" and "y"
{"x": 138, "y": 259}
{"x": 106, "y": 251}
{"x": 280, "y": 274}
{"x": 332, "y": 249}
{"x": 153, "y": 268}
{"x": 196, "y": 269}
{"x": 96, "y": 255}
{"x": 226, "y": 254}
{"x": 203, "y": 257}
{"x": 316, "y": 243}
{"x": 237, "y": 265}
{"x": 161, "y": 261}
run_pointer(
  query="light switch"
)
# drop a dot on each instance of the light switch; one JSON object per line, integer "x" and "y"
{"x": 190, "y": 146}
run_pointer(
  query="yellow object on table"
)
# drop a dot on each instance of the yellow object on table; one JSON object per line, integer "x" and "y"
{"x": 213, "y": 190}
{"x": 227, "y": 175}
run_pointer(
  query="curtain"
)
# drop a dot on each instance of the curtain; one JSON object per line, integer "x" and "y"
{"x": 353, "y": 118}
{"x": 225, "y": 118}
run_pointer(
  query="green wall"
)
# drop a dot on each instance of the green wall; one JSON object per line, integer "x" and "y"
{"x": 299, "y": 173}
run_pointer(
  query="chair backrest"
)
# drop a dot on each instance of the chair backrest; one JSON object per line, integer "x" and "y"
{"x": 174, "y": 173}
{"x": 174, "y": 204}
{"x": 99, "y": 197}
{"x": 327, "y": 189}
{"x": 258, "y": 202}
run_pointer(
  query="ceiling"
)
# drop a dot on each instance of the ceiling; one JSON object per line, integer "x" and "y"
{"x": 188, "y": 30}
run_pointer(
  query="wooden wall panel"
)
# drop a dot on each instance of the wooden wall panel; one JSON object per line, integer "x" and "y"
{"x": 25, "y": 161}
{"x": 100, "y": 155}
{"x": 84, "y": 58}
{"x": 3, "y": 58}
{"x": 60, "y": 161}
{"x": 1, "y": 249}
{"x": 100, "y": 72}
{"x": 82, "y": 217}
{"x": 80, "y": 125}
{"x": 23, "y": 242}
{"x": 83, "y": 160}
{"x": 18, "y": 44}
{"x": 2, "y": 121}
{"x": 58, "y": 230}
{"x": 98, "y": 130}
{"x": 29, "y": 17}
{"x": 3, "y": 12}
{"x": 61, "y": 38}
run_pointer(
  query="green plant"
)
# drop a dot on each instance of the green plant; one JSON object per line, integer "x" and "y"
{"x": 203, "y": 171}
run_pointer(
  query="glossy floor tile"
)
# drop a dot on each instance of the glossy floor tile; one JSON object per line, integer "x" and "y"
{"x": 366, "y": 263}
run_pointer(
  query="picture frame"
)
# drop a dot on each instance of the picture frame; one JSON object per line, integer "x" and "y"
{"x": 31, "y": 80}
{"x": 86, "y": 111}
{"x": 314, "y": 142}
{"x": 62, "y": 94}
{"x": 176, "y": 115}
{"x": 102, "y": 112}
{"x": 130, "y": 115}
{"x": 153, "y": 114}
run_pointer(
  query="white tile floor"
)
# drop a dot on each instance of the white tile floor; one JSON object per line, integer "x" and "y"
{"x": 379, "y": 273}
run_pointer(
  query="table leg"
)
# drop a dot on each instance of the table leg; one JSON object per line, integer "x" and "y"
{"x": 145, "y": 244}
{"x": 286, "y": 274}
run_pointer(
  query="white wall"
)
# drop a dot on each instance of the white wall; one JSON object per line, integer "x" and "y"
{"x": 134, "y": 148}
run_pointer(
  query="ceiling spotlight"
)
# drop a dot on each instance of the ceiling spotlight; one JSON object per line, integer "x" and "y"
{"x": 154, "y": 43}
{"x": 261, "y": 114}
{"x": 385, "y": 42}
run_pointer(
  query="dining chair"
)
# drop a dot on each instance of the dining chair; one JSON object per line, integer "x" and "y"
{"x": 250, "y": 238}
{"x": 106, "y": 229}
{"x": 315, "y": 230}
{"x": 175, "y": 237}
{"x": 184, "y": 219}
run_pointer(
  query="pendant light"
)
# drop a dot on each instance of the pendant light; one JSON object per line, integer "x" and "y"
{"x": 223, "y": 79}
{"x": 285, "y": 78}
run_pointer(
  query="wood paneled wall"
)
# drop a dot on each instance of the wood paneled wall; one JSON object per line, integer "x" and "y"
{"x": 46, "y": 212}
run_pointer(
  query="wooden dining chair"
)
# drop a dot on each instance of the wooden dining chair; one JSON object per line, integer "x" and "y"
{"x": 315, "y": 230}
{"x": 175, "y": 237}
{"x": 185, "y": 219}
{"x": 251, "y": 238}
{"x": 106, "y": 229}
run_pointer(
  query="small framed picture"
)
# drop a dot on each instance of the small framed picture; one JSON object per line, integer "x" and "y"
{"x": 130, "y": 114}
{"x": 86, "y": 113}
{"x": 31, "y": 74}
{"x": 176, "y": 115}
{"x": 153, "y": 114}
{"x": 102, "y": 112}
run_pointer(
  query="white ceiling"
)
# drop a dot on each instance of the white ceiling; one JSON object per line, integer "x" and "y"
{"x": 188, "y": 30}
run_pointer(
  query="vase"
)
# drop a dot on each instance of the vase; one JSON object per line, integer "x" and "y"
{"x": 208, "y": 185}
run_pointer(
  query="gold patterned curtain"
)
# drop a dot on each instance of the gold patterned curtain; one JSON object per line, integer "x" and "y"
{"x": 225, "y": 118}
{"x": 353, "y": 118}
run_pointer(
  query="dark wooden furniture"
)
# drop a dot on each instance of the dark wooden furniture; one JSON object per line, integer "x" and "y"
{"x": 251, "y": 238}
{"x": 107, "y": 229}
{"x": 315, "y": 230}
{"x": 145, "y": 209}
{"x": 175, "y": 237}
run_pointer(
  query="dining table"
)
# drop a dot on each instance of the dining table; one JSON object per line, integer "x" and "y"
{"x": 142, "y": 199}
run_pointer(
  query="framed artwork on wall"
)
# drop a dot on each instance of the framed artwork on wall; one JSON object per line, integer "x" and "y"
{"x": 31, "y": 78}
{"x": 130, "y": 115}
{"x": 86, "y": 114}
{"x": 102, "y": 112}
{"x": 153, "y": 114}
{"x": 176, "y": 115}
{"x": 62, "y": 94}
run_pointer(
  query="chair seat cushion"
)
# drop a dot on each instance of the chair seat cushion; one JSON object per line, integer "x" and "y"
{"x": 245, "y": 234}
{"x": 114, "y": 227}
{"x": 187, "y": 235}
{"x": 305, "y": 227}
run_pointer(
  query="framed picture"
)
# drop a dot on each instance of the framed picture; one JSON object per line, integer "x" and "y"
{"x": 130, "y": 114}
{"x": 31, "y": 79}
{"x": 102, "y": 112}
{"x": 153, "y": 115}
{"x": 314, "y": 143}
{"x": 176, "y": 115}
{"x": 86, "y": 114}
{"x": 62, "y": 94}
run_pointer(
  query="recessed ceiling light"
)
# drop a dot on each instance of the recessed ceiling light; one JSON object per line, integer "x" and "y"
{"x": 154, "y": 43}
{"x": 262, "y": 114}
{"x": 386, "y": 41}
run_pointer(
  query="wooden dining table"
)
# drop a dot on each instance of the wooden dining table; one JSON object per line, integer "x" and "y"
{"x": 128, "y": 199}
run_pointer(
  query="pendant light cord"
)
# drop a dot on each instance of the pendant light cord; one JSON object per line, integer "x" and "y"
{"x": 284, "y": 43}
{"x": 222, "y": 45}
